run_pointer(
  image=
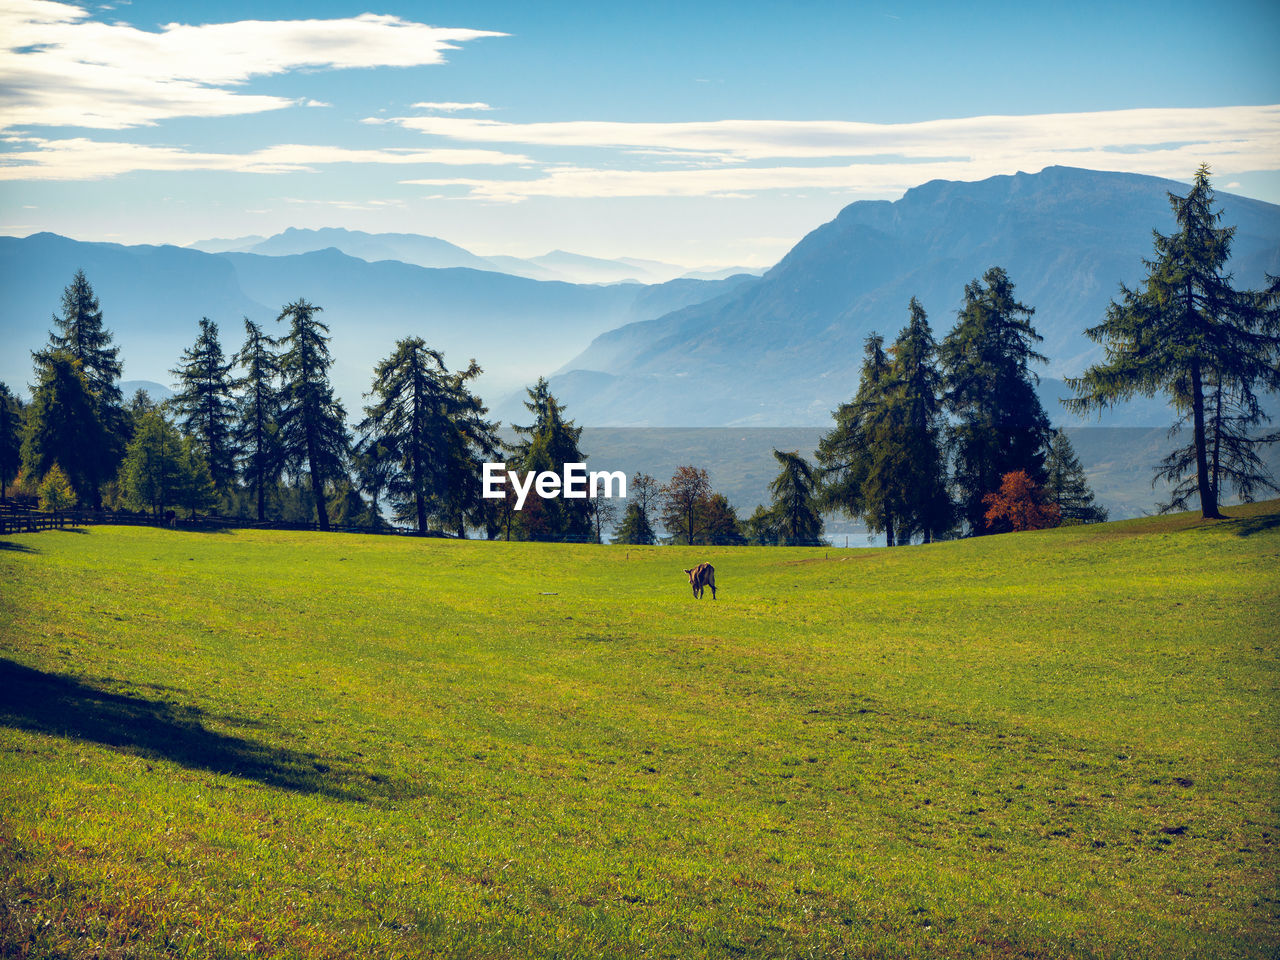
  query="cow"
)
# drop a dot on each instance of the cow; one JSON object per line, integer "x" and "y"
{"x": 703, "y": 575}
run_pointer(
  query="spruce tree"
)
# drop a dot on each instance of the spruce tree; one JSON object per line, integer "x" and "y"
{"x": 205, "y": 405}
{"x": 432, "y": 428}
{"x": 1066, "y": 486}
{"x": 998, "y": 425}
{"x": 313, "y": 430}
{"x": 917, "y": 393}
{"x": 795, "y": 503}
{"x": 63, "y": 427}
{"x": 635, "y": 527}
{"x": 1187, "y": 333}
{"x": 257, "y": 407}
{"x": 12, "y": 419}
{"x": 548, "y": 444}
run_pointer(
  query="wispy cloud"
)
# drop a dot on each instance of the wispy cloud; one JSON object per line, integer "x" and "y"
{"x": 84, "y": 159}
{"x": 868, "y": 159}
{"x": 450, "y": 107}
{"x": 60, "y": 68}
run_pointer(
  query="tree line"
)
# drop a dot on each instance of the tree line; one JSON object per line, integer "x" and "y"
{"x": 939, "y": 440}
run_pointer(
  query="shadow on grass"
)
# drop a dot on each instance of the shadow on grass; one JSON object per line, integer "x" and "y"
{"x": 66, "y": 707}
{"x": 17, "y": 547}
{"x": 1247, "y": 527}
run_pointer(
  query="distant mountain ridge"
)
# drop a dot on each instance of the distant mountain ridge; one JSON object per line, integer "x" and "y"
{"x": 432, "y": 252}
{"x": 786, "y": 350}
{"x": 153, "y": 297}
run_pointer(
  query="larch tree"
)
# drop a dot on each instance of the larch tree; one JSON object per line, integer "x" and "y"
{"x": 257, "y": 415}
{"x": 313, "y": 430}
{"x": 998, "y": 425}
{"x": 205, "y": 404}
{"x": 795, "y": 500}
{"x": 63, "y": 427}
{"x": 548, "y": 444}
{"x": 12, "y": 418}
{"x": 1188, "y": 333}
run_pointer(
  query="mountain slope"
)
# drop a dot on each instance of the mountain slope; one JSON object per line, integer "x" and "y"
{"x": 153, "y": 297}
{"x": 786, "y": 349}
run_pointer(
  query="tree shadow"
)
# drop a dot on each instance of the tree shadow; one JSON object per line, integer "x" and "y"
{"x": 67, "y": 707}
{"x": 16, "y": 547}
{"x": 1247, "y": 527}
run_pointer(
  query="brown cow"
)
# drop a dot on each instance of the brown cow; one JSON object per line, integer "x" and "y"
{"x": 703, "y": 575}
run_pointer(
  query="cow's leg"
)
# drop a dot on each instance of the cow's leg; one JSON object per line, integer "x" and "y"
{"x": 713, "y": 589}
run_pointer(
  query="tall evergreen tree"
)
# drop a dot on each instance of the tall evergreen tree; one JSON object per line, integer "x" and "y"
{"x": 850, "y": 454}
{"x": 433, "y": 430}
{"x": 81, "y": 334}
{"x": 205, "y": 404}
{"x": 63, "y": 427}
{"x": 549, "y": 443}
{"x": 1188, "y": 333}
{"x": 919, "y": 439}
{"x": 998, "y": 424}
{"x": 313, "y": 430}
{"x": 12, "y": 420}
{"x": 256, "y": 432}
{"x": 155, "y": 468}
{"x": 795, "y": 500}
{"x": 635, "y": 527}
{"x": 1066, "y": 486}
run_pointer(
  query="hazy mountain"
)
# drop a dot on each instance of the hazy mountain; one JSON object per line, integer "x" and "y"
{"x": 786, "y": 349}
{"x": 433, "y": 252}
{"x": 153, "y": 297}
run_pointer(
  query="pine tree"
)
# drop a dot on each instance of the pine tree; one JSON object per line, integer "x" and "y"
{"x": 550, "y": 442}
{"x": 432, "y": 428}
{"x": 82, "y": 335}
{"x": 156, "y": 468}
{"x": 1188, "y": 333}
{"x": 55, "y": 492}
{"x": 63, "y": 427}
{"x": 795, "y": 500}
{"x": 851, "y": 471}
{"x": 205, "y": 405}
{"x": 919, "y": 439}
{"x": 998, "y": 424}
{"x": 257, "y": 407}
{"x": 1065, "y": 484}
{"x": 313, "y": 432}
{"x": 12, "y": 418}
{"x": 635, "y": 527}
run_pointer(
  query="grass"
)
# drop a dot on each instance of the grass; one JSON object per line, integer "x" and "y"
{"x": 1056, "y": 744}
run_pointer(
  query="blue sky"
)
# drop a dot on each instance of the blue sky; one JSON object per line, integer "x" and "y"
{"x": 702, "y": 134}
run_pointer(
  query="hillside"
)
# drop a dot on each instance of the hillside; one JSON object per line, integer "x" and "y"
{"x": 786, "y": 351}
{"x": 1057, "y": 744}
{"x": 153, "y": 297}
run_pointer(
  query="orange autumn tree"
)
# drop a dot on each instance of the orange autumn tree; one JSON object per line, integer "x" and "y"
{"x": 1019, "y": 504}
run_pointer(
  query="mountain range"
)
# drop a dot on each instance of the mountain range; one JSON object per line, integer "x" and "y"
{"x": 433, "y": 252}
{"x": 783, "y": 349}
{"x": 786, "y": 349}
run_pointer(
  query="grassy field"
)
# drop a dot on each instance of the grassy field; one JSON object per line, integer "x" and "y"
{"x": 1056, "y": 744}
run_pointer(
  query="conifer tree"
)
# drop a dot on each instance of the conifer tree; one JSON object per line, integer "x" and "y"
{"x": 848, "y": 454}
{"x": 762, "y": 528}
{"x": 256, "y": 431}
{"x": 1187, "y": 333}
{"x": 81, "y": 334}
{"x": 155, "y": 468}
{"x": 11, "y": 426}
{"x": 998, "y": 424}
{"x": 549, "y": 443}
{"x": 718, "y": 523}
{"x": 55, "y": 492}
{"x": 313, "y": 430}
{"x": 205, "y": 405}
{"x": 63, "y": 427}
{"x": 1065, "y": 484}
{"x": 795, "y": 502}
{"x": 635, "y": 527}
{"x": 432, "y": 428}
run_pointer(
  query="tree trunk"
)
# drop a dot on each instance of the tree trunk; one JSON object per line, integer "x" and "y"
{"x": 1208, "y": 495}
{"x": 317, "y": 484}
{"x": 888, "y": 531}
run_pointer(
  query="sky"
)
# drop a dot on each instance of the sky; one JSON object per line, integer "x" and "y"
{"x": 701, "y": 134}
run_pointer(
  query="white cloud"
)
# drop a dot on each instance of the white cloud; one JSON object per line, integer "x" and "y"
{"x": 60, "y": 68}
{"x": 886, "y": 158}
{"x": 450, "y": 107}
{"x": 84, "y": 159}
{"x": 742, "y": 140}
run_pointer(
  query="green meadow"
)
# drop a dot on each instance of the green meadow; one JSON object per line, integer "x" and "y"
{"x": 1052, "y": 744}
